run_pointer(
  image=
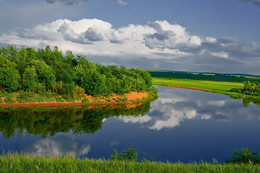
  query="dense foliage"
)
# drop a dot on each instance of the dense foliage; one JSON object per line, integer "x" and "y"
{"x": 249, "y": 88}
{"x": 49, "y": 70}
{"x": 202, "y": 76}
{"x": 244, "y": 156}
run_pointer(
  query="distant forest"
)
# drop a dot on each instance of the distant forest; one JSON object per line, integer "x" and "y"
{"x": 45, "y": 69}
{"x": 203, "y": 76}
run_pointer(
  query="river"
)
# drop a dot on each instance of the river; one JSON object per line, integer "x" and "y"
{"x": 181, "y": 125}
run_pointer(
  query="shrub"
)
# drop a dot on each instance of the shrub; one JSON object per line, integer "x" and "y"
{"x": 128, "y": 155}
{"x": 40, "y": 87}
{"x": 244, "y": 156}
{"x": 78, "y": 91}
{"x": 59, "y": 99}
{"x": 25, "y": 96}
{"x": 9, "y": 99}
{"x": 85, "y": 101}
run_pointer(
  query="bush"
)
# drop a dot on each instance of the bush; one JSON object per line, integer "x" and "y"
{"x": 78, "y": 92}
{"x": 25, "y": 96}
{"x": 244, "y": 156}
{"x": 59, "y": 99}
{"x": 40, "y": 87}
{"x": 128, "y": 155}
{"x": 9, "y": 99}
{"x": 85, "y": 101}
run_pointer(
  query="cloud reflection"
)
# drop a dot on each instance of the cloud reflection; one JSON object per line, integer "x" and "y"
{"x": 178, "y": 105}
{"x": 57, "y": 146}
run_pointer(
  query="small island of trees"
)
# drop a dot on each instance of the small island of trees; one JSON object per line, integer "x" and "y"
{"x": 48, "y": 71}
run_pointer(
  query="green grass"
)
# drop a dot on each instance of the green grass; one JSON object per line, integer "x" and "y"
{"x": 217, "y": 86}
{"x": 19, "y": 163}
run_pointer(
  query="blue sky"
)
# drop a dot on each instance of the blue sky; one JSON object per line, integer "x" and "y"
{"x": 202, "y": 35}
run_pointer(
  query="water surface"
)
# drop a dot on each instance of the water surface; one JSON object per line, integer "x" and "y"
{"x": 182, "y": 125}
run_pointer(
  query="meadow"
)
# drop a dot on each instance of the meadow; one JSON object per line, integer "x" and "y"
{"x": 20, "y": 163}
{"x": 219, "y": 87}
{"x": 216, "y": 86}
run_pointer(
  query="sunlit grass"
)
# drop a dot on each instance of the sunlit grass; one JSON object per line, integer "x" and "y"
{"x": 213, "y": 85}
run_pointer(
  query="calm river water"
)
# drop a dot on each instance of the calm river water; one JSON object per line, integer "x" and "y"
{"x": 182, "y": 125}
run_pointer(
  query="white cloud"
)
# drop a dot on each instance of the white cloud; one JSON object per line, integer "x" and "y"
{"x": 97, "y": 37}
{"x": 158, "y": 40}
{"x": 121, "y": 2}
{"x": 57, "y": 146}
{"x": 221, "y": 54}
{"x": 210, "y": 40}
{"x": 140, "y": 119}
{"x": 218, "y": 103}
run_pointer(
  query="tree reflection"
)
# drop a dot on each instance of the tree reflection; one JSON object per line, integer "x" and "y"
{"x": 50, "y": 121}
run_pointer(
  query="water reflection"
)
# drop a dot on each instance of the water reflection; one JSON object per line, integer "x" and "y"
{"x": 172, "y": 108}
{"x": 182, "y": 125}
{"x": 55, "y": 146}
{"x": 49, "y": 121}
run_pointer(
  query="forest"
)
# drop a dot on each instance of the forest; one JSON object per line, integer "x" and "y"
{"x": 204, "y": 76}
{"x": 47, "y": 70}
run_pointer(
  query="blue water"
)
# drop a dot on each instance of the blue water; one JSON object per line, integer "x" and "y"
{"x": 182, "y": 125}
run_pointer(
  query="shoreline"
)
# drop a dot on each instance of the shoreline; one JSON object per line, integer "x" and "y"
{"x": 129, "y": 98}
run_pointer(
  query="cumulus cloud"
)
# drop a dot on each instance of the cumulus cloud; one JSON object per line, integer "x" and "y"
{"x": 158, "y": 40}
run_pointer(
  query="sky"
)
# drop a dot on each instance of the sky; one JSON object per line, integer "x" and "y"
{"x": 184, "y": 35}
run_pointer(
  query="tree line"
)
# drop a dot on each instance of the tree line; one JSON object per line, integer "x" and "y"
{"x": 202, "y": 76}
{"x": 42, "y": 70}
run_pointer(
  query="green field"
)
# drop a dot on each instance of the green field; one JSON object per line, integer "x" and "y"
{"x": 19, "y": 163}
{"x": 216, "y": 86}
{"x": 219, "y": 87}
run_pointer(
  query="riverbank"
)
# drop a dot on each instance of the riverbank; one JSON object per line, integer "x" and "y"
{"x": 19, "y": 163}
{"x": 36, "y": 100}
{"x": 218, "y": 87}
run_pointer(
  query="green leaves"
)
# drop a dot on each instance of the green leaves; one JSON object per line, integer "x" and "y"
{"x": 48, "y": 69}
{"x": 244, "y": 156}
{"x": 128, "y": 155}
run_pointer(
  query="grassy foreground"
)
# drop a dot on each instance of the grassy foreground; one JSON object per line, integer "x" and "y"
{"x": 19, "y": 163}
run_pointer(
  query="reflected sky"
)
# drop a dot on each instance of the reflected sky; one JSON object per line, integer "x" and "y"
{"x": 182, "y": 125}
{"x": 55, "y": 146}
{"x": 172, "y": 108}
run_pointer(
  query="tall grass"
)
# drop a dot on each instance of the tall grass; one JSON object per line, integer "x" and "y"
{"x": 20, "y": 163}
